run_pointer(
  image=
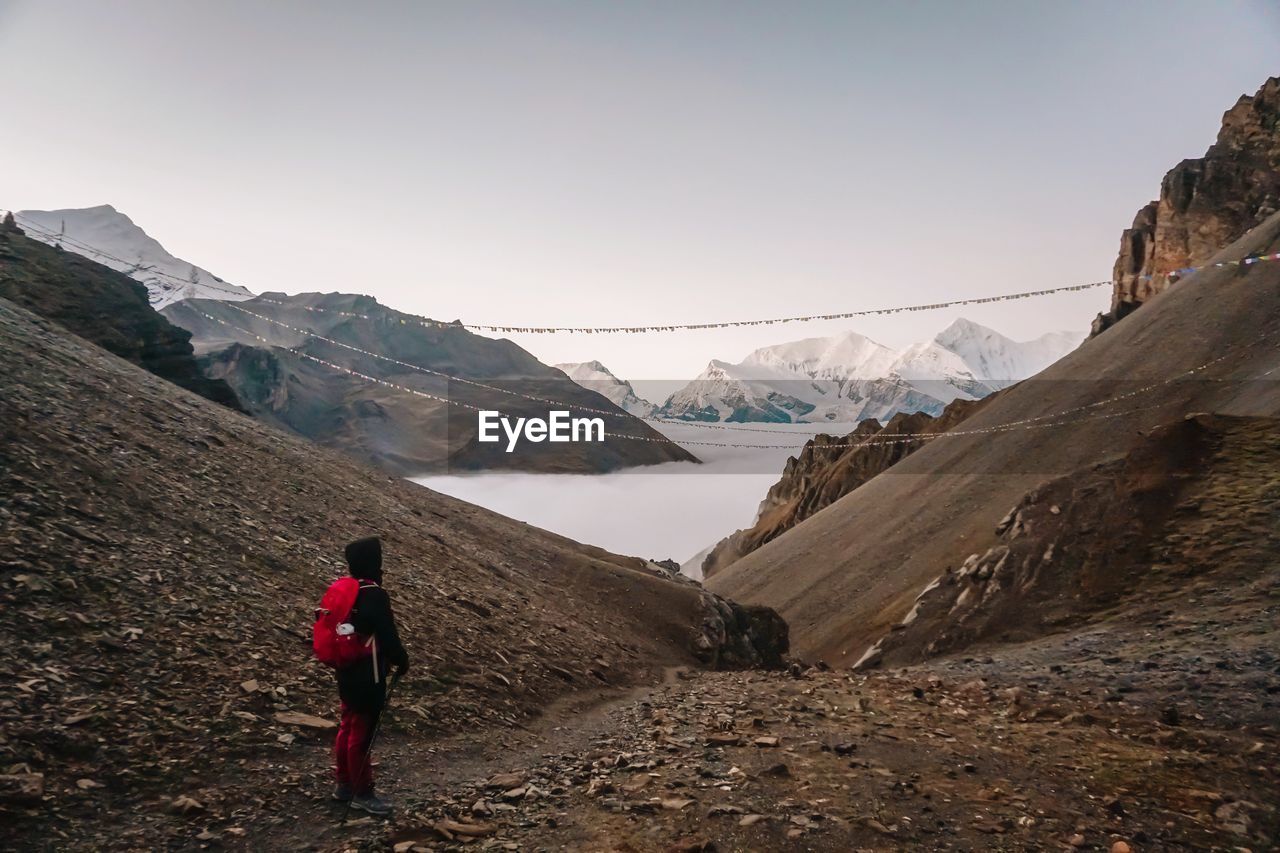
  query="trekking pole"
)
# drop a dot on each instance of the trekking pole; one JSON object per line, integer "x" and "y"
{"x": 377, "y": 727}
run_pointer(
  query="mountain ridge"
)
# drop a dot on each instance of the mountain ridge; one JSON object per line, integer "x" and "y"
{"x": 111, "y": 238}
{"x": 849, "y": 377}
{"x": 826, "y": 469}
{"x": 402, "y": 432}
{"x": 103, "y": 306}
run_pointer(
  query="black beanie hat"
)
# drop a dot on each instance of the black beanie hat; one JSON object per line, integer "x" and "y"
{"x": 364, "y": 558}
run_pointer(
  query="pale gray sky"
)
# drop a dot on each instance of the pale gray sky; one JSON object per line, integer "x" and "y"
{"x": 568, "y": 163}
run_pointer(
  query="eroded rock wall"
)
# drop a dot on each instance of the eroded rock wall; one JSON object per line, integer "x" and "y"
{"x": 1204, "y": 204}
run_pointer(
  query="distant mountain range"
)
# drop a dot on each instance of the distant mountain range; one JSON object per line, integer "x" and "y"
{"x": 106, "y": 235}
{"x": 405, "y": 433}
{"x": 844, "y": 378}
{"x": 849, "y": 377}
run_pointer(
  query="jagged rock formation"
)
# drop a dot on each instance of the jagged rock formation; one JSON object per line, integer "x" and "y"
{"x": 103, "y": 306}
{"x": 1199, "y": 497}
{"x": 737, "y": 637}
{"x": 819, "y": 477}
{"x": 401, "y": 432}
{"x": 160, "y": 559}
{"x": 1204, "y": 204}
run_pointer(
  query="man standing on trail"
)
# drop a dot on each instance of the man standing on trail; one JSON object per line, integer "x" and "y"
{"x": 362, "y": 685}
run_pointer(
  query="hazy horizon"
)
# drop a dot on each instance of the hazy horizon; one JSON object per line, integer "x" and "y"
{"x": 582, "y": 164}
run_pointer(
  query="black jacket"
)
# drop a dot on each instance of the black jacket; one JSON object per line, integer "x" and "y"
{"x": 357, "y": 685}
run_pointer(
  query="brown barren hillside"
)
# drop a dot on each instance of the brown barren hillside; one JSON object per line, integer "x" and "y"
{"x": 1195, "y": 499}
{"x": 160, "y": 559}
{"x": 844, "y": 576}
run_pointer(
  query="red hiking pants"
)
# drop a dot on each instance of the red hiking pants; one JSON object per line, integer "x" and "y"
{"x": 351, "y": 751}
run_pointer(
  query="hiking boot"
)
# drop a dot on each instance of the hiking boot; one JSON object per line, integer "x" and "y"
{"x": 371, "y": 804}
{"x": 342, "y": 793}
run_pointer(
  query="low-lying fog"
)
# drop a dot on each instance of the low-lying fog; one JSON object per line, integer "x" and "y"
{"x": 663, "y": 511}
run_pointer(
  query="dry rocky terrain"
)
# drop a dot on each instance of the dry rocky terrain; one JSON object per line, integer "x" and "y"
{"x": 846, "y": 574}
{"x": 160, "y": 559}
{"x": 1112, "y": 682}
{"x": 1056, "y": 627}
{"x": 163, "y": 554}
{"x": 1127, "y": 734}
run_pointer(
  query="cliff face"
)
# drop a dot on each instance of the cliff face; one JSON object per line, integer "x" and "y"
{"x": 1204, "y": 204}
{"x": 820, "y": 476}
{"x": 102, "y": 306}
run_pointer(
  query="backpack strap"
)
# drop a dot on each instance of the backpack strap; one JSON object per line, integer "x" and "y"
{"x": 365, "y": 583}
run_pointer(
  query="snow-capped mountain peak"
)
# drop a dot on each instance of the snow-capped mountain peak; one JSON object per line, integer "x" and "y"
{"x": 850, "y": 355}
{"x": 998, "y": 360}
{"x": 850, "y": 377}
{"x": 596, "y": 377}
{"x": 111, "y": 238}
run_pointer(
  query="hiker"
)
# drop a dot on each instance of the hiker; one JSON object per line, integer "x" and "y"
{"x": 362, "y": 684}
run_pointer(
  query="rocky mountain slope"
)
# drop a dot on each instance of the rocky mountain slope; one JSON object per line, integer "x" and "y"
{"x": 109, "y": 237}
{"x": 1204, "y": 203}
{"x": 1195, "y": 499}
{"x": 850, "y": 572}
{"x": 596, "y": 377}
{"x": 162, "y": 557}
{"x": 824, "y": 472}
{"x": 849, "y": 377}
{"x": 1104, "y": 678}
{"x": 102, "y": 306}
{"x": 1128, "y": 736}
{"x": 401, "y": 432}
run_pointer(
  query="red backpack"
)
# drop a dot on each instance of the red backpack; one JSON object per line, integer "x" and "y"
{"x": 332, "y": 637}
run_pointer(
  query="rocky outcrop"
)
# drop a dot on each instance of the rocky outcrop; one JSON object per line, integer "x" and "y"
{"x": 102, "y": 306}
{"x": 1204, "y": 204}
{"x": 734, "y": 636}
{"x": 1192, "y": 498}
{"x": 821, "y": 475}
